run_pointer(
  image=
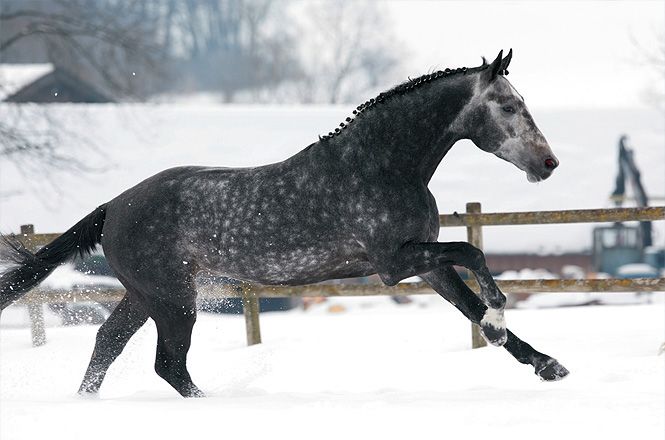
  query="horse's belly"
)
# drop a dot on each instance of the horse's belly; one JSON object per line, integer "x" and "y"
{"x": 292, "y": 267}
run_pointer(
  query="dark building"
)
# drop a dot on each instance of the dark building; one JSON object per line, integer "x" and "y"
{"x": 553, "y": 263}
{"x": 58, "y": 85}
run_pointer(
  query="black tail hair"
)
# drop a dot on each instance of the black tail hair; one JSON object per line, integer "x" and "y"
{"x": 27, "y": 269}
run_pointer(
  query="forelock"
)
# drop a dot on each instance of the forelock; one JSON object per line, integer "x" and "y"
{"x": 510, "y": 88}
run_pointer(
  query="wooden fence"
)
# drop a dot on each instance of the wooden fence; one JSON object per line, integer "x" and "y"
{"x": 473, "y": 220}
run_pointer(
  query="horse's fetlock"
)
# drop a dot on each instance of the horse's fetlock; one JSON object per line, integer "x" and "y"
{"x": 499, "y": 302}
{"x": 161, "y": 368}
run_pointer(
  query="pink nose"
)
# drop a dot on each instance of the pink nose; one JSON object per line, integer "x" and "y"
{"x": 551, "y": 163}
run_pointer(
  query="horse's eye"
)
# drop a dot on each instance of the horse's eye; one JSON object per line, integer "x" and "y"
{"x": 508, "y": 109}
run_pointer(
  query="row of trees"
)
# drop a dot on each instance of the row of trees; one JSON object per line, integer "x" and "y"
{"x": 243, "y": 50}
{"x": 265, "y": 50}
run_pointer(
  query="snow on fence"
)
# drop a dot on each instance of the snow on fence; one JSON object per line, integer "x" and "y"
{"x": 473, "y": 220}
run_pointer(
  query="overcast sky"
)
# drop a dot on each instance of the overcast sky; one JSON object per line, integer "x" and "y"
{"x": 566, "y": 54}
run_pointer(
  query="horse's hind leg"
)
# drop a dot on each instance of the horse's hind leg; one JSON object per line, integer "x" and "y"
{"x": 112, "y": 336}
{"x": 168, "y": 296}
{"x": 447, "y": 283}
{"x": 175, "y": 322}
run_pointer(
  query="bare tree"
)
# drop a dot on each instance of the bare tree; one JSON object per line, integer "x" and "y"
{"x": 350, "y": 48}
{"x": 653, "y": 57}
{"x": 102, "y": 42}
{"x": 31, "y": 141}
{"x": 230, "y": 45}
{"x": 126, "y": 48}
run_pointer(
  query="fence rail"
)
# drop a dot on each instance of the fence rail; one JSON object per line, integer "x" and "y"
{"x": 473, "y": 220}
{"x": 652, "y": 213}
{"x": 39, "y": 296}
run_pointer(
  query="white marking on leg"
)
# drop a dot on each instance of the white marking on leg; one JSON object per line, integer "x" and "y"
{"x": 493, "y": 327}
{"x": 494, "y": 318}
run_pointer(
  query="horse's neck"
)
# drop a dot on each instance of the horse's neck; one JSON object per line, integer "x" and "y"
{"x": 409, "y": 134}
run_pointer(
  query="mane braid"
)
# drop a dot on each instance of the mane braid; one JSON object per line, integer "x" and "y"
{"x": 400, "y": 89}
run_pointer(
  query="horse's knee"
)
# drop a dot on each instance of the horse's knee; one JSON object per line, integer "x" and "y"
{"x": 475, "y": 257}
{"x": 389, "y": 279}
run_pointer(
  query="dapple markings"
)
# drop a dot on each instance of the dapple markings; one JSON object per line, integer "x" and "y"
{"x": 352, "y": 204}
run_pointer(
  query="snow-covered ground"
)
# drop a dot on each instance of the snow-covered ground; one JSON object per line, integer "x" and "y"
{"x": 377, "y": 370}
{"x": 134, "y": 141}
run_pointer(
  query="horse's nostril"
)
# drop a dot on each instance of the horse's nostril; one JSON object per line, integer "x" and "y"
{"x": 550, "y": 163}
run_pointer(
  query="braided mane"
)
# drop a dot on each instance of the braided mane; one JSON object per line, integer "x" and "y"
{"x": 401, "y": 89}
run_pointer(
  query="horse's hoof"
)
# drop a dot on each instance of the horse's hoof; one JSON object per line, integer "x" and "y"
{"x": 193, "y": 392}
{"x": 495, "y": 336}
{"x": 85, "y": 394}
{"x": 493, "y": 327}
{"x": 551, "y": 371}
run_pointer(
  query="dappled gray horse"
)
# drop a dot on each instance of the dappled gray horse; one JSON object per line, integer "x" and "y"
{"x": 352, "y": 204}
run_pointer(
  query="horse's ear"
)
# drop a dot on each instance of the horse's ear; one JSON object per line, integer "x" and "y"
{"x": 495, "y": 67}
{"x": 505, "y": 63}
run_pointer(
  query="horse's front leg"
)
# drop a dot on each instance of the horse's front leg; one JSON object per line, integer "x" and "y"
{"x": 418, "y": 258}
{"x": 447, "y": 283}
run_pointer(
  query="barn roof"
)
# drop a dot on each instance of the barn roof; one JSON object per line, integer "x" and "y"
{"x": 44, "y": 83}
{"x": 13, "y": 77}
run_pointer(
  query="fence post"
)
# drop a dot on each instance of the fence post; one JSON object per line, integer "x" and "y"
{"x": 474, "y": 235}
{"x": 35, "y": 310}
{"x": 250, "y": 307}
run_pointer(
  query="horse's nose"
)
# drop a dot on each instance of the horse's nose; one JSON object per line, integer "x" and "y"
{"x": 551, "y": 163}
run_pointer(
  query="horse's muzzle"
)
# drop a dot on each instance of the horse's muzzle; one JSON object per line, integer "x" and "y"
{"x": 542, "y": 170}
{"x": 551, "y": 163}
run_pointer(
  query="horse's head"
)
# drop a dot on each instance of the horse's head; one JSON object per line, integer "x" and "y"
{"x": 497, "y": 121}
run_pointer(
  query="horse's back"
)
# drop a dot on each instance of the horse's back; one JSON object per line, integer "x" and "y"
{"x": 266, "y": 224}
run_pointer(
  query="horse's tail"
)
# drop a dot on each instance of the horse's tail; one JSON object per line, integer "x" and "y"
{"x": 26, "y": 269}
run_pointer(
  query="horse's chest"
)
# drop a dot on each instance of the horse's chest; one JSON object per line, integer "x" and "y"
{"x": 400, "y": 215}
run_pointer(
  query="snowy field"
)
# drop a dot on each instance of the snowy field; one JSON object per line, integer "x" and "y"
{"x": 377, "y": 370}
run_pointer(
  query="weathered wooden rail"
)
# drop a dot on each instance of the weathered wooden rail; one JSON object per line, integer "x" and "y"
{"x": 473, "y": 220}
{"x": 470, "y": 219}
{"x": 39, "y": 296}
